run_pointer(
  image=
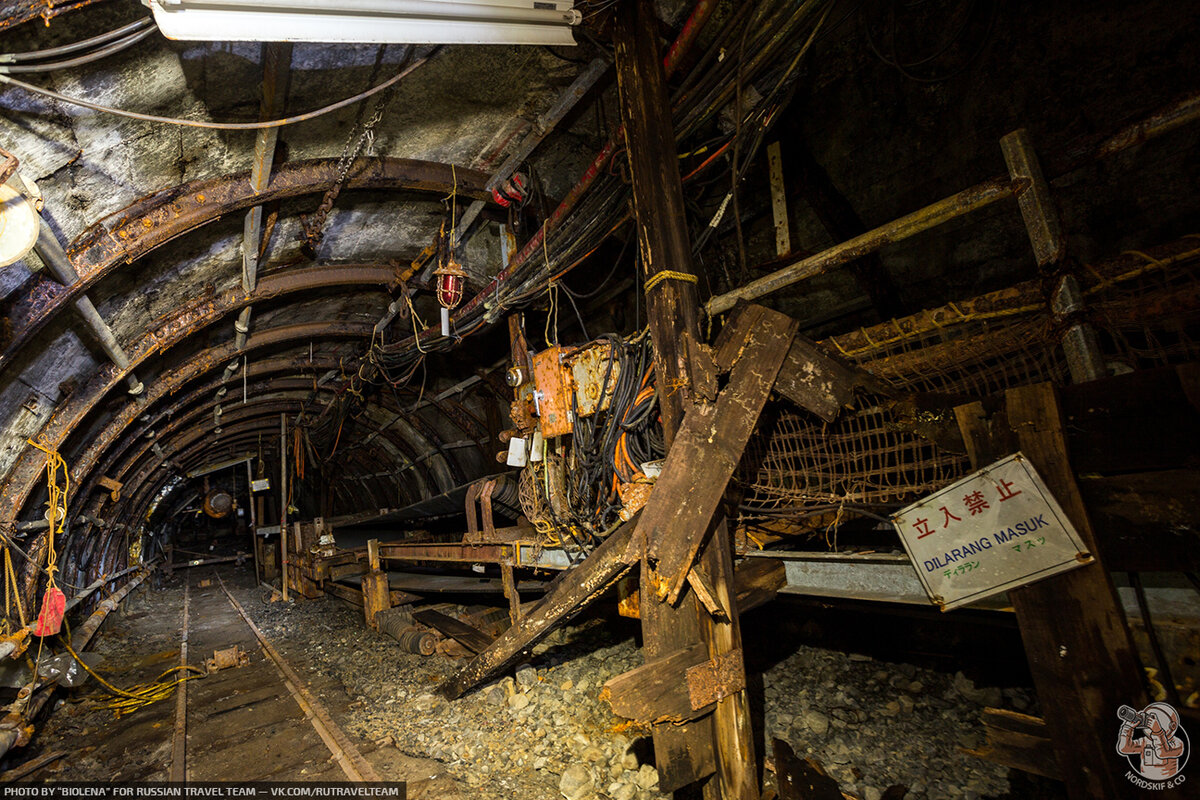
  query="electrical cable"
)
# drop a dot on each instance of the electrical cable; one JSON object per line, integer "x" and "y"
{"x": 75, "y": 47}
{"x": 223, "y": 126}
{"x": 79, "y": 61}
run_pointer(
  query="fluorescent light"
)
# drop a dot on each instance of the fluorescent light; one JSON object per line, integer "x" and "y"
{"x": 410, "y": 21}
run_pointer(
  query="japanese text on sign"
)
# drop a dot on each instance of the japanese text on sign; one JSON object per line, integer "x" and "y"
{"x": 994, "y": 530}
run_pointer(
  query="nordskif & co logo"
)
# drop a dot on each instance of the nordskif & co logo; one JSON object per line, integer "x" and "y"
{"x": 1155, "y": 745}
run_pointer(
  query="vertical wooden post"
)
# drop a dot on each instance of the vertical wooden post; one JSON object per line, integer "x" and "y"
{"x": 283, "y": 502}
{"x": 376, "y": 596}
{"x": 510, "y": 592}
{"x": 1080, "y": 652}
{"x": 685, "y": 753}
{"x": 1080, "y": 343}
{"x": 779, "y": 209}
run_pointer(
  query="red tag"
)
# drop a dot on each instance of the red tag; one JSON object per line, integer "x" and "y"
{"x": 54, "y": 605}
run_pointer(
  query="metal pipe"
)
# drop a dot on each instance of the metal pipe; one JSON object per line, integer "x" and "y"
{"x": 541, "y": 127}
{"x": 51, "y": 251}
{"x": 431, "y": 9}
{"x": 966, "y": 201}
{"x": 283, "y": 502}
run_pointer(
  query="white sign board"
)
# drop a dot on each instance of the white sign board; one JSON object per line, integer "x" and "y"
{"x": 992, "y": 531}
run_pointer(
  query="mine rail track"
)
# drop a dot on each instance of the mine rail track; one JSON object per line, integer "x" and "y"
{"x": 259, "y": 721}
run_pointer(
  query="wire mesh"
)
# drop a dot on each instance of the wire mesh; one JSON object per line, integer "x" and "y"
{"x": 1145, "y": 306}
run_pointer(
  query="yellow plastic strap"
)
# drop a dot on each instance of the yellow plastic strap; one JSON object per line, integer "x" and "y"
{"x": 668, "y": 274}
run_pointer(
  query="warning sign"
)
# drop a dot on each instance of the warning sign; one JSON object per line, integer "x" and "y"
{"x": 992, "y": 531}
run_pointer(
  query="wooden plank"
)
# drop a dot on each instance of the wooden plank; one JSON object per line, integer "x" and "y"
{"x": 468, "y": 636}
{"x": 821, "y": 384}
{"x": 1080, "y": 652}
{"x": 1019, "y": 741}
{"x": 571, "y": 593}
{"x": 757, "y": 581}
{"x": 706, "y": 452}
{"x": 657, "y": 691}
{"x": 779, "y": 209}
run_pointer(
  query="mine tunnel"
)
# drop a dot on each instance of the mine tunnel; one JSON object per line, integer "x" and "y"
{"x": 599, "y": 399}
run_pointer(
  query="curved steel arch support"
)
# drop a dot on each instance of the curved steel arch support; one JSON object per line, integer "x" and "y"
{"x": 154, "y": 220}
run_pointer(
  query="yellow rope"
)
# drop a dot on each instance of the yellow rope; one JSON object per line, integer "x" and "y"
{"x": 126, "y": 701}
{"x": 669, "y": 275}
{"x": 56, "y": 499}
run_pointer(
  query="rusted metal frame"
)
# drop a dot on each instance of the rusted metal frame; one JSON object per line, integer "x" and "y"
{"x": 194, "y": 449}
{"x": 15, "y": 12}
{"x": 148, "y": 435}
{"x": 194, "y": 317}
{"x": 171, "y": 443}
{"x": 293, "y": 399}
{"x": 156, "y": 219}
{"x": 130, "y": 510}
{"x": 115, "y": 431}
{"x": 167, "y": 385}
{"x": 19, "y": 483}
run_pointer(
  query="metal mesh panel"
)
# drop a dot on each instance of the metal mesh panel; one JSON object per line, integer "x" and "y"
{"x": 1146, "y": 307}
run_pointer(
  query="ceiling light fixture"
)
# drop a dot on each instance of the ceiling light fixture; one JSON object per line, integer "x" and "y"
{"x": 371, "y": 21}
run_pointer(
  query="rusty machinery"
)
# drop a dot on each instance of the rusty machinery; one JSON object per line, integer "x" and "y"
{"x": 587, "y": 435}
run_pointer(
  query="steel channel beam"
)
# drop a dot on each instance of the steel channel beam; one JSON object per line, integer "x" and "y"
{"x": 524, "y": 555}
{"x": 874, "y": 577}
{"x": 156, "y": 219}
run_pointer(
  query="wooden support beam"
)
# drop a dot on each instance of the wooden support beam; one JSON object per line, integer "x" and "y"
{"x": 468, "y": 636}
{"x": 708, "y": 448}
{"x": 689, "y": 752}
{"x": 779, "y": 208}
{"x": 568, "y": 595}
{"x": 1018, "y": 740}
{"x": 1080, "y": 652}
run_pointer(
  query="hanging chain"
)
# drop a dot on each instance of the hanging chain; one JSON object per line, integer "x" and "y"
{"x": 314, "y": 225}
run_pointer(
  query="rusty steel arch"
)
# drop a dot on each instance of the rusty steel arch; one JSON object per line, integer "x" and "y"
{"x": 151, "y": 221}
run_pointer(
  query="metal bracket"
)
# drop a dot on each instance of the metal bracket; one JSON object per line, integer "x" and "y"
{"x": 715, "y": 680}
